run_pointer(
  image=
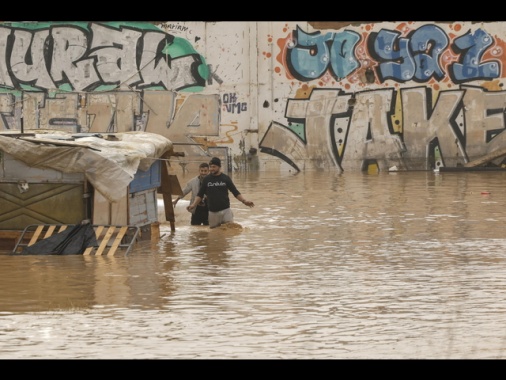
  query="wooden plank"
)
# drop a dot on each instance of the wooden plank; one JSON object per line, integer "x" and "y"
{"x": 169, "y": 186}
{"x": 105, "y": 212}
{"x": 169, "y": 211}
{"x": 98, "y": 231}
{"x": 10, "y": 234}
{"x": 101, "y": 209}
{"x": 49, "y": 231}
{"x": 87, "y": 251}
{"x": 109, "y": 237}
{"x": 175, "y": 186}
{"x": 36, "y": 234}
{"x": 444, "y": 169}
{"x": 105, "y": 240}
{"x": 486, "y": 158}
{"x": 119, "y": 209}
{"x": 117, "y": 241}
{"x": 169, "y": 183}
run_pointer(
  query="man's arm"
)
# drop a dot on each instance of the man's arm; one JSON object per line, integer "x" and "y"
{"x": 186, "y": 191}
{"x": 244, "y": 201}
{"x": 195, "y": 203}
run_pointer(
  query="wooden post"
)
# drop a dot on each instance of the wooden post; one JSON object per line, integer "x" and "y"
{"x": 169, "y": 186}
{"x": 167, "y": 196}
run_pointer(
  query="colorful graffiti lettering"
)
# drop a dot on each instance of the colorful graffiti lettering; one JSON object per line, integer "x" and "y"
{"x": 97, "y": 57}
{"x": 350, "y": 131}
{"x": 414, "y": 57}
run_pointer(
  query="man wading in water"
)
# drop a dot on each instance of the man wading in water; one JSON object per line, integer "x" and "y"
{"x": 200, "y": 214}
{"x": 215, "y": 186}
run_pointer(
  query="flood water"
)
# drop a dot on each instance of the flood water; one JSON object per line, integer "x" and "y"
{"x": 325, "y": 266}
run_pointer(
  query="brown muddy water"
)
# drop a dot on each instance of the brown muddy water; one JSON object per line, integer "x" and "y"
{"x": 325, "y": 266}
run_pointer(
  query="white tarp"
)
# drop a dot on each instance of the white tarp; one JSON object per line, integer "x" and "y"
{"x": 108, "y": 165}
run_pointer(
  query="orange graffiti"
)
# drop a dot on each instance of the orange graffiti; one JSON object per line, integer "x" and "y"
{"x": 203, "y": 142}
{"x": 304, "y": 92}
{"x": 496, "y": 52}
{"x": 403, "y": 28}
{"x": 494, "y": 85}
{"x": 179, "y": 102}
{"x": 456, "y": 27}
{"x": 229, "y": 139}
{"x": 281, "y": 57}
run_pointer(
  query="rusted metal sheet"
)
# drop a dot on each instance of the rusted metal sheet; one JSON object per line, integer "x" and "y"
{"x": 41, "y": 203}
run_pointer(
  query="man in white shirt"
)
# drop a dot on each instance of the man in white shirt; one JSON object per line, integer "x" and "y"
{"x": 200, "y": 213}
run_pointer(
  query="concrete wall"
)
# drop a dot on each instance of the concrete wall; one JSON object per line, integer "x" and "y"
{"x": 267, "y": 96}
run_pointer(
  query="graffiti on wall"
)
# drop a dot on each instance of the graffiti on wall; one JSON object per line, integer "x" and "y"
{"x": 96, "y": 57}
{"x": 163, "y": 112}
{"x": 420, "y": 55}
{"x": 232, "y": 105}
{"x": 410, "y": 97}
{"x": 422, "y": 127}
{"x": 354, "y": 131}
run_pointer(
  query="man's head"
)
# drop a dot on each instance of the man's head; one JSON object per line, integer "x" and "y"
{"x": 215, "y": 166}
{"x": 204, "y": 169}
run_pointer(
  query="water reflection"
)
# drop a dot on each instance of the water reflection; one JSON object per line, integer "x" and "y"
{"x": 399, "y": 265}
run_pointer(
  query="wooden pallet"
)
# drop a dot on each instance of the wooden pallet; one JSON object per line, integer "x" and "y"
{"x": 109, "y": 238}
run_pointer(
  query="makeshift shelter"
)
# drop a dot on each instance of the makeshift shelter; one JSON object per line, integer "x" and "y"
{"x": 54, "y": 177}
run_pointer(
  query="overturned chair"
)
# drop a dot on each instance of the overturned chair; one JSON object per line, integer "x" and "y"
{"x": 76, "y": 239}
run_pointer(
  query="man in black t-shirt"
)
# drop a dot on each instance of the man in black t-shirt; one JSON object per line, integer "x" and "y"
{"x": 215, "y": 186}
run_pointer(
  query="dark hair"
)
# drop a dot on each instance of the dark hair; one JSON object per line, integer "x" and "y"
{"x": 215, "y": 161}
{"x": 204, "y": 165}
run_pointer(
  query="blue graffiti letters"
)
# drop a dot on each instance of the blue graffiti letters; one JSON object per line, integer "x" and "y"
{"x": 415, "y": 57}
{"x": 472, "y": 47}
{"x": 309, "y": 55}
